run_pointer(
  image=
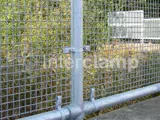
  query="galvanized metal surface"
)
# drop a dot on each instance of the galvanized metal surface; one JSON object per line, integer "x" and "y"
{"x": 69, "y": 50}
{"x": 77, "y": 56}
{"x": 34, "y": 69}
{"x": 100, "y": 104}
{"x": 32, "y": 36}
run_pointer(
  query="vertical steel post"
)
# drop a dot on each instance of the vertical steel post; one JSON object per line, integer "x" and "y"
{"x": 77, "y": 55}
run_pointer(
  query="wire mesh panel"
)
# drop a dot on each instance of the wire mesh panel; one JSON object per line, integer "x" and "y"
{"x": 126, "y": 24}
{"x": 124, "y": 51}
{"x": 118, "y": 60}
{"x": 152, "y": 28}
{"x": 32, "y": 35}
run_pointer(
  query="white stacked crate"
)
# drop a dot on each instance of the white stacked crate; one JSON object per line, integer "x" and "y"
{"x": 126, "y": 24}
{"x": 152, "y": 29}
{"x": 132, "y": 25}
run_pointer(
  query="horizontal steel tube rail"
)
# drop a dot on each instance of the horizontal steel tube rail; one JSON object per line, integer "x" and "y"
{"x": 93, "y": 106}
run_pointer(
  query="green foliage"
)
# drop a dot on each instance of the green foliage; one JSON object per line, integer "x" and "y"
{"x": 32, "y": 35}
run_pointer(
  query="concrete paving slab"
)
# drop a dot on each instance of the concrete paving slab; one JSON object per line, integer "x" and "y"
{"x": 147, "y": 110}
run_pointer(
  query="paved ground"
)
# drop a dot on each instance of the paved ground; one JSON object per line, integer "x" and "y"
{"x": 147, "y": 110}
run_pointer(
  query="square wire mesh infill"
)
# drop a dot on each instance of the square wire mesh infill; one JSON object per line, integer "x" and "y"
{"x": 121, "y": 58}
{"x": 152, "y": 28}
{"x": 126, "y": 24}
{"x": 133, "y": 25}
{"x": 32, "y": 35}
